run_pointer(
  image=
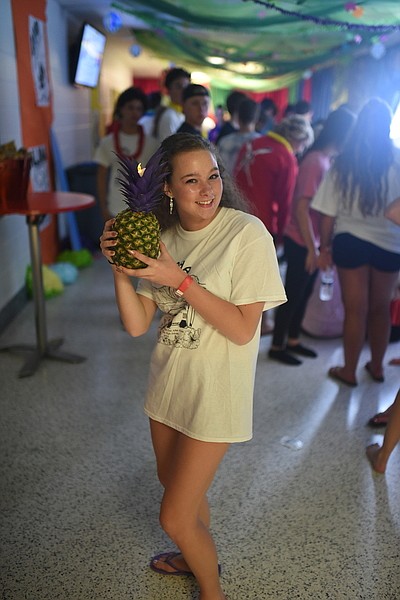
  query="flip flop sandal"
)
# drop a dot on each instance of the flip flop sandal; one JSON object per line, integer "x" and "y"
{"x": 334, "y": 374}
{"x": 167, "y": 558}
{"x": 371, "y": 459}
{"x": 378, "y": 420}
{"x": 377, "y": 378}
{"x": 394, "y": 361}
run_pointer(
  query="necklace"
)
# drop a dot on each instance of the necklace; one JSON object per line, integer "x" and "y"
{"x": 139, "y": 148}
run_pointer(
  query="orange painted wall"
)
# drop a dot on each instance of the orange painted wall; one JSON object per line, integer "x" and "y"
{"x": 35, "y": 120}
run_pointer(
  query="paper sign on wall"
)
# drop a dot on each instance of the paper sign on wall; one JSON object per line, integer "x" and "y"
{"x": 39, "y": 175}
{"x": 38, "y": 61}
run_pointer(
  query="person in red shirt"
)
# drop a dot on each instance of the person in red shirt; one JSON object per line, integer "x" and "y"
{"x": 266, "y": 171}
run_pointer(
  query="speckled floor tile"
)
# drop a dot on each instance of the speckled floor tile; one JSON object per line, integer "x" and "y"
{"x": 79, "y": 496}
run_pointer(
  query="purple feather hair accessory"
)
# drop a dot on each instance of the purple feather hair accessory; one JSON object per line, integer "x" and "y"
{"x": 142, "y": 188}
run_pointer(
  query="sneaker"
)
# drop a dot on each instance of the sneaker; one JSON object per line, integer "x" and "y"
{"x": 284, "y": 357}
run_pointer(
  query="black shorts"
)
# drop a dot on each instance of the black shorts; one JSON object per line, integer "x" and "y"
{"x": 349, "y": 252}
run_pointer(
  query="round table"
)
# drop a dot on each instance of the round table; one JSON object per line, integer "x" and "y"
{"x": 35, "y": 208}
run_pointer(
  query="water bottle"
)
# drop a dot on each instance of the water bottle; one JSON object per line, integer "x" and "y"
{"x": 292, "y": 443}
{"x": 326, "y": 287}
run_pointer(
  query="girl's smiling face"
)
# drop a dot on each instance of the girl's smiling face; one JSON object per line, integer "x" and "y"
{"x": 196, "y": 186}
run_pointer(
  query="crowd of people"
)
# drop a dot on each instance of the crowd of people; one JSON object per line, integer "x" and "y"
{"x": 261, "y": 190}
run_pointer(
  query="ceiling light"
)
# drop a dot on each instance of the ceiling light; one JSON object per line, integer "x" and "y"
{"x": 199, "y": 77}
{"x": 247, "y": 68}
{"x": 216, "y": 60}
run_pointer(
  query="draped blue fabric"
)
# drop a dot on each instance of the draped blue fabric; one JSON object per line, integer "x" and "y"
{"x": 322, "y": 86}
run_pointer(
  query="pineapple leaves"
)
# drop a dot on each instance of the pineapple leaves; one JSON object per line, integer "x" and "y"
{"x": 142, "y": 193}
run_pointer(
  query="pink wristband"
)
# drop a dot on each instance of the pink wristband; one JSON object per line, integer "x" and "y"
{"x": 184, "y": 285}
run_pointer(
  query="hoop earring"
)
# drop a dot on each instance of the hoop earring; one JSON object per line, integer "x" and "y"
{"x": 171, "y": 205}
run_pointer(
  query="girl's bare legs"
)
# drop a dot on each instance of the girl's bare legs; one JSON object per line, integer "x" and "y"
{"x": 186, "y": 469}
{"x": 164, "y": 441}
{"x": 381, "y": 291}
{"x": 354, "y": 285}
{"x": 379, "y": 456}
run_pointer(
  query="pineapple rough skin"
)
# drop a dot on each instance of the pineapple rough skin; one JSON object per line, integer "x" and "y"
{"x": 136, "y": 231}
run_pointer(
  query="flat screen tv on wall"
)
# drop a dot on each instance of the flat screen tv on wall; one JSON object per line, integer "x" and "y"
{"x": 86, "y": 57}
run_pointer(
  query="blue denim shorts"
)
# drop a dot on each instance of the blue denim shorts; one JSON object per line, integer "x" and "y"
{"x": 349, "y": 252}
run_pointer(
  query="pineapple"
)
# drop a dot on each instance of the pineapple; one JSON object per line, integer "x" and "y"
{"x": 137, "y": 226}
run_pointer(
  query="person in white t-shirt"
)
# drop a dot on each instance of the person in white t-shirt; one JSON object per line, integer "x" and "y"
{"x": 154, "y": 103}
{"x": 127, "y": 138}
{"x": 216, "y": 273}
{"x": 169, "y": 118}
{"x": 358, "y": 238}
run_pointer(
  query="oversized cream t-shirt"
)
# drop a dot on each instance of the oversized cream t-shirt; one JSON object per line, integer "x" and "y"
{"x": 200, "y": 382}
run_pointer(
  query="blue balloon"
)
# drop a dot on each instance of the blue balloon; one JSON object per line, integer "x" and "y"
{"x": 135, "y": 50}
{"x": 377, "y": 50}
{"x": 112, "y": 22}
{"x": 66, "y": 271}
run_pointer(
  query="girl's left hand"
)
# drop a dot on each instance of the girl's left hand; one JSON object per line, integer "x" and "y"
{"x": 162, "y": 270}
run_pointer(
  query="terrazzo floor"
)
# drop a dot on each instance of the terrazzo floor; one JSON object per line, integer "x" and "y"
{"x": 79, "y": 496}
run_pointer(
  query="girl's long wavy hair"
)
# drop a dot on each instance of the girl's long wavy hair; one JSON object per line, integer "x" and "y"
{"x": 361, "y": 170}
{"x": 335, "y": 131}
{"x": 180, "y": 143}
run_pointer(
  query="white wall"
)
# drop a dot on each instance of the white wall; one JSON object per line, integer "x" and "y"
{"x": 72, "y": 121}
{"x": 76, "y": 114}
{"x": 116, "y": 75}
{"x": 14, "y": 245}
{"x": 79, "y": 111}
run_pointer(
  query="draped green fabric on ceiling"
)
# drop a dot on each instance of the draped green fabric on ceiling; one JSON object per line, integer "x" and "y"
{"x": 265, "y": 45}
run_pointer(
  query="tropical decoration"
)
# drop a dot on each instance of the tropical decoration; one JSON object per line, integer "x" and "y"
{"x": 261, "y": 45}
{"x": 137, "y": 226}
{"x": 112, "y": 22}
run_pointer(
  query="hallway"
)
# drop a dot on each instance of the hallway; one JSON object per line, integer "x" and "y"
{"x": 79, "y": 496}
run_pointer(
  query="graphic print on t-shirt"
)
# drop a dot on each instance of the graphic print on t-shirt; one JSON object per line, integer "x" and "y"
{"x": 176, "y": 326}
{"x": 248, "y": 159}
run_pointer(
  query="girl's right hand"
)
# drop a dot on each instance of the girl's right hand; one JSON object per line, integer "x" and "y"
{"x": 311, "y": 263}
{"x": 108, "y": 240}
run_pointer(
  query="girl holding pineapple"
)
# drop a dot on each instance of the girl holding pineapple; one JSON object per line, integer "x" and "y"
{"x": 215, "y": 274}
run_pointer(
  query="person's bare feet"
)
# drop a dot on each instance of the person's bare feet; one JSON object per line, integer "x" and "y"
{"x": 394, "y": 361}
{"x": 373, "y": 453}
{"x": 340, "y": 374}
{"x": 381, "y": 419}
{"x": 375, "y": 374}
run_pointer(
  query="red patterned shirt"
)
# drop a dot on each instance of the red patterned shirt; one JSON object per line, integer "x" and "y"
{"x": 266, "y": 171}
